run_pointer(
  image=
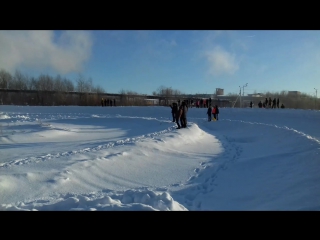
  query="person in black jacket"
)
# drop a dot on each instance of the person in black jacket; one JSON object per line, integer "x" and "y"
{"x": 260, "y": 104}
{"x": 274, "y": 103}
{"x": 217, "y": 112}
{"x": 177, "y": 116}
{"x": 209, "y": 112}
{"x": 266, "y": 103}
{"x": 269, "y": 102}
{"x": 174, "y": 110}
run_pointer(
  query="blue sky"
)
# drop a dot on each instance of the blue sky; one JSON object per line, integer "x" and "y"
{"x": 191, "y": 61}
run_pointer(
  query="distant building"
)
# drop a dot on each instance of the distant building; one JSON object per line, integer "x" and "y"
{"x": 256, "y": 95}
{"x": 151, "y": 101}
{"x": 219, "y": 91}
{"x": 294, "y": 93}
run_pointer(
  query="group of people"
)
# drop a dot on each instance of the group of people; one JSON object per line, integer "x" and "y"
{"x": 179, "y": 114}
{"x": 198, "y": 103}
{"x": 107, "y": 102}
{"x": 269, "y": 103}
{"x": 213, "y": 111}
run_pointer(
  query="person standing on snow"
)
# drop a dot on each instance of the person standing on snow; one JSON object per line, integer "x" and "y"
{"x": 209, "y": 112}
{"x": 183, "y": 114}
{"x": 215, "y": 112}
{"x": 177, "y": 117}
{"x": 274, "y": 103}
{"x": 174, "y": 110}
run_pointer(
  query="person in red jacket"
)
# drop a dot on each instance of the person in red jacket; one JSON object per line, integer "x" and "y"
{"x": 215, "y": 112}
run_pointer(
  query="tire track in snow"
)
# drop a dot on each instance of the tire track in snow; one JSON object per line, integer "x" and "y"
{"x": 125, "y": 141}
{"x": 276, "y": 126}
{"x": 207, "y": 179}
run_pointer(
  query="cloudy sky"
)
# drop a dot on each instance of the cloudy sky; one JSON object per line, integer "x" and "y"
{"x": 192, "y": 61}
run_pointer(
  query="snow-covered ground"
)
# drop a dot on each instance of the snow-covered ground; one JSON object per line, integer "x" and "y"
{"x": 134, "y": 158}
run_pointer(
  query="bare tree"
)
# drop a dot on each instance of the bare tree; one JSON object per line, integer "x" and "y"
{"x": 5, "y": 79}
{"x": 98, "y": 89}
{"x": 68, "y": 84}
{"x": 58, "y": 84}
{"x": 33, "y": 84}
{"x": 19, "y": 81}
{"x": 45, "y": 83}
{"x": 81, "y": 84}
{"x": 84, "y": 87}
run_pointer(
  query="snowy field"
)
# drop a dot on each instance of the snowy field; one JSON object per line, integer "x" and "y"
{"x": 133, "y": 158}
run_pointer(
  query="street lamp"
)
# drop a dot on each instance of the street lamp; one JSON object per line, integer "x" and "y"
{"x": 243, "y": 88}
{"x": 242, "y": 91}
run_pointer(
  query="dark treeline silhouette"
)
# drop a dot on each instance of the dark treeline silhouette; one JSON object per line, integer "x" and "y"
{"x": 19, "y": 89}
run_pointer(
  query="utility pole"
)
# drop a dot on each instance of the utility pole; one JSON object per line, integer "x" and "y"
{"x": 240, "y": 96}
{"x": 315, "y": 101}
{"x": 242, "y": 91}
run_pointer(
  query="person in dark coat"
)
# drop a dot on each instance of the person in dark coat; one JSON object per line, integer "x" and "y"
{"x": 177, "y": 116}
{"x": 174, "y": 110}
{"x": 260, "y": 104}
{"x": 282, "y": 106}
{"x": 209, "y": 113}
{"x": 101, "y": 102}
{"x": 274, "y": 103}
{"x": 217, "y": 112}
{"x": 278, "y": 102}
{"x": 266, "y": 102}
{"x": 183, "y": 114}
{"x": 251, "y": 104}
{"x": 270, "y": 102}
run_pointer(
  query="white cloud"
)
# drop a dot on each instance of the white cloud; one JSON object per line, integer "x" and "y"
{"x": 221, "y": 62}
{"x": 39, "y": 49}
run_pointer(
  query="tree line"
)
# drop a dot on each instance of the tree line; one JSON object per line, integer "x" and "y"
{"x": 47, "y": 91}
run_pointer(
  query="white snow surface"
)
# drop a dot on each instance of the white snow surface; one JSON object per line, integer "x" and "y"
{"x": 75, "y": 158}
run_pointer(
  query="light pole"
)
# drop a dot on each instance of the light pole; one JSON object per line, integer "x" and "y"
{"x": 243, "y": 88}
{"x": 242, "y": 91}
{"x": 315, "y": 101}
{"x": 240, "y": 96}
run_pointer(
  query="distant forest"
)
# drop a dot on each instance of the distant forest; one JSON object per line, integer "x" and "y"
{"x": 45, "y": 90}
